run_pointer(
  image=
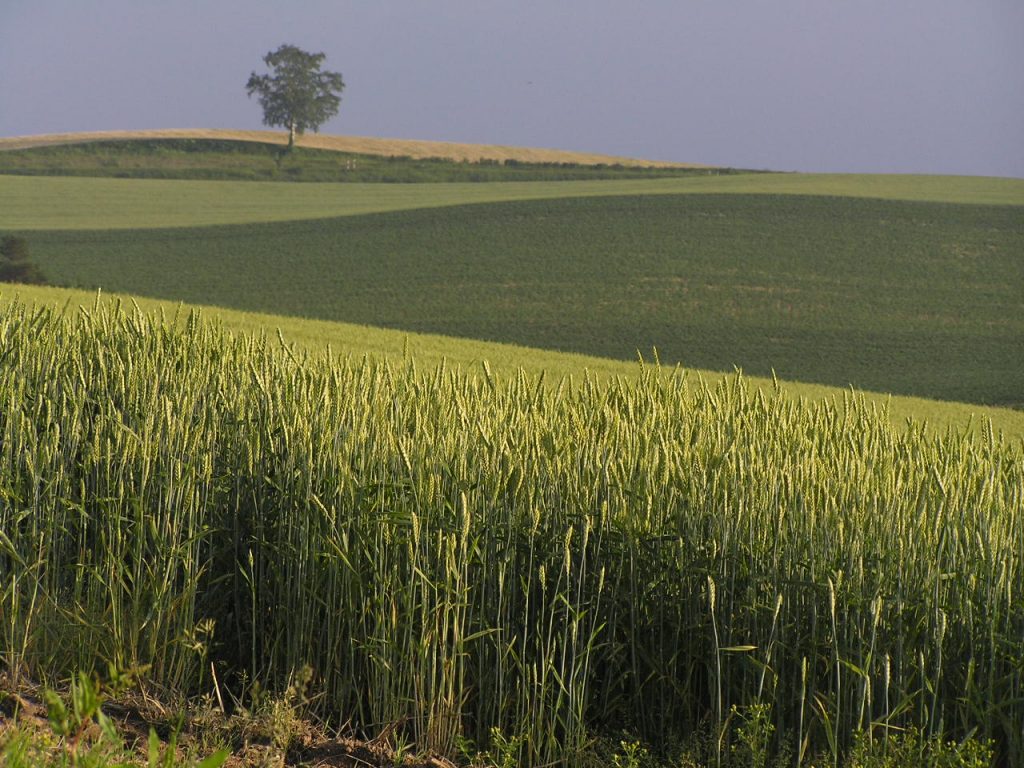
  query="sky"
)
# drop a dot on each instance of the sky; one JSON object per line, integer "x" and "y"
{"x": 905, "y": 86}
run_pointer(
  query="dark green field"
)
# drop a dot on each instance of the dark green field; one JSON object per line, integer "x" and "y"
{"x": 256, "y": 161}
{"x": 911, "y": 298}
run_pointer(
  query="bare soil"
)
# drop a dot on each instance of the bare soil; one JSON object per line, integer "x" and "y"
{"x": 203, "y": 731}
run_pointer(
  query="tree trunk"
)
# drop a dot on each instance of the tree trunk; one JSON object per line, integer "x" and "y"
{"x": 291, "y": 136}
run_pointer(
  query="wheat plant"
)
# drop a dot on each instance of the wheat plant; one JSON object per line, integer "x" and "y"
{"x": 467, "y": 557}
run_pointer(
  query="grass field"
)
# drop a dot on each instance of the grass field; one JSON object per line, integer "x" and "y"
{"x": 551, "y": 573}
{"x": 84, "y": 203}
{"x": 906, "y": 297}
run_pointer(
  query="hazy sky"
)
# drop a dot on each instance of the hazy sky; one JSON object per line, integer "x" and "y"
{"x": 929, "y": 86}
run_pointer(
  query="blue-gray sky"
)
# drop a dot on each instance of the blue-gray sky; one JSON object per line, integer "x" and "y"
{"x": 924, "y": 86}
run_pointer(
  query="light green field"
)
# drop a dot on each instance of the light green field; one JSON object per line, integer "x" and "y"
{"x": 345, "y": 339}
{"x": 28, "y": 203}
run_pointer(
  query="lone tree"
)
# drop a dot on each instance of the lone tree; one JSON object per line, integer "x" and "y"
{"x": 296, "y": 95}
{"x": 14, "y": 264}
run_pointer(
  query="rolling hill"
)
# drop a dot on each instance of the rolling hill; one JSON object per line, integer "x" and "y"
{"x": 508, "y": 550}
{"x": 911, "y": 297}
{"x": 899, "y": 284}
{"x": 351, "y": 341}
{"x": 30, "y": 203}
{"x": 365, "y": 145}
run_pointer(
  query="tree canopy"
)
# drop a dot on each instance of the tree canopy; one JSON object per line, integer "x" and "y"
{"x": 296, "y": 94}
{"x": 15, "y": 266}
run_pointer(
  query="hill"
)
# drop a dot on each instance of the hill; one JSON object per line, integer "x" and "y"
{"x": 906, "y": 297}
{"x": 350, "y": 341}
{"x": 29, "y": 203}
{"x": 208, "y": 159}
{"x": 516, "y": 555}
{"x": 360, "y": 145}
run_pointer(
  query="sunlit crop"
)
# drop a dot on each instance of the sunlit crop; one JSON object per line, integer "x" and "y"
{"x": 457, "y": 552}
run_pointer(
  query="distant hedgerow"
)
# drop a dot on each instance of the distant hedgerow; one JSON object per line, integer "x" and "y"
{"x": 15, "y": 266}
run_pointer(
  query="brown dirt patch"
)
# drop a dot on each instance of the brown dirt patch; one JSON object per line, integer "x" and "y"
{"x": 22, "y": 709}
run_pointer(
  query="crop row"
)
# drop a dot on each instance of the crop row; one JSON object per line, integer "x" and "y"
{"x": 455, "y": 553}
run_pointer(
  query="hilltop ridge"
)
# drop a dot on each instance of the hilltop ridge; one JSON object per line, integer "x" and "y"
{"x": 416, "y": 149}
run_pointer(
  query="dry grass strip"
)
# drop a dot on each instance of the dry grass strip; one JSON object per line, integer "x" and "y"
{"x": 356, "y": 144}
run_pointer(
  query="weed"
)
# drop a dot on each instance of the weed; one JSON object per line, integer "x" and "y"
{"x": 505, "y": 752}
{"x": 911, "y": 748}
{"x": 82, "y": 735}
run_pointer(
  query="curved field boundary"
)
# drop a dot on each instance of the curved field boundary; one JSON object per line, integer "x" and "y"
{"x": 904, "y": 297}
{"x": 28, "y": 203}
{"x": 363, "y": 145}
{"x": 347, "y": 339}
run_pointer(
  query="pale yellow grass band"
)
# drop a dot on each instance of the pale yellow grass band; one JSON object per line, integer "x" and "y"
{"x": 356, "y": 144}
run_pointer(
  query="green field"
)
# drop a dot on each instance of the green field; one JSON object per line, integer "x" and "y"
{"x": 83, "y": 203}
{"x": 648, "y": 560}
{"x": 911, "y": 298}
{"x": 353, "y": 342}
{"x": 398, "y": 436}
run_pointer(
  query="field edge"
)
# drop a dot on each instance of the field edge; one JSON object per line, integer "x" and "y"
{"x": 350, "y": 340}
